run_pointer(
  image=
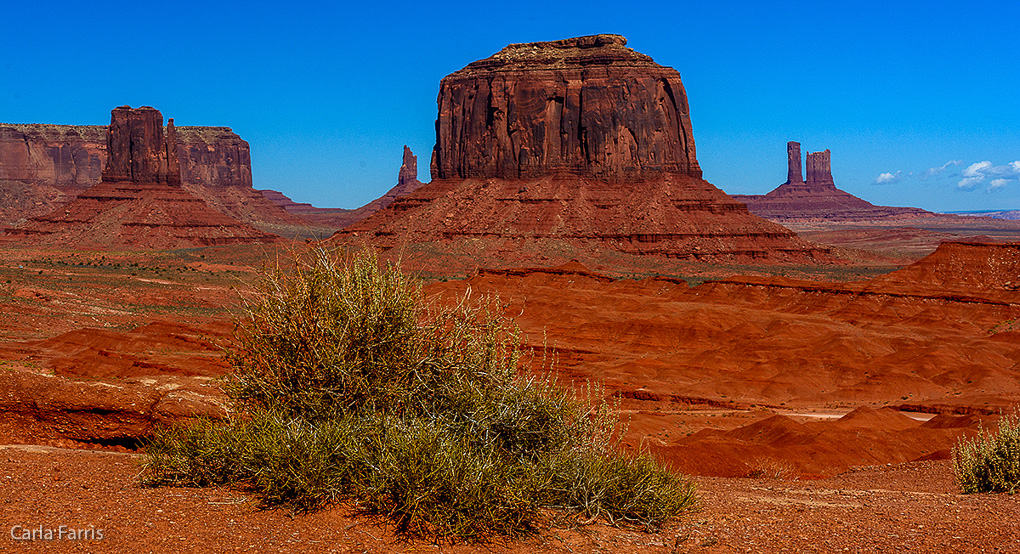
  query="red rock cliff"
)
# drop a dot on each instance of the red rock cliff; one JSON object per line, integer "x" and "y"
{"x": 587, "y": 106}
{"x": 64, "y": 156}
{"x": 73, "y": 156}
{"x": 137, "y": 150}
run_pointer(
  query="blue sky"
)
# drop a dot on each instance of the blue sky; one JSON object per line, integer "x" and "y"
{"x": 918, "y": 101}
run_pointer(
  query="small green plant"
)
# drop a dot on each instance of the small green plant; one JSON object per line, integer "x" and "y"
{"x": 990, "y": 462}
{"x": 349, "y": 387}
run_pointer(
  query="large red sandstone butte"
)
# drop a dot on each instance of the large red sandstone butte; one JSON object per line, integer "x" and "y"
{"x": 588, "y": 106}
{"x": 548, "y": 149}
{"x": 817, "y": 199}
{"x": 140, "y": 202}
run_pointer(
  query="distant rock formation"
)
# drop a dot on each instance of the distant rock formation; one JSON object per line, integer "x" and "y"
{"x": 338, "y": 218}
{"x": 817, "y": 199}
{"x": 588, "y": 106}
{"x": 407, "y": 178}
{"x": 579, "y": 147}
{"x": 43, "y": 166}
{"x": 139, "y": 202}
{"x": 819, "y": 169}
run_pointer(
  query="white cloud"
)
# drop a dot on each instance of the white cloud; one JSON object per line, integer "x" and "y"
{"x": 933, "y": 171}
{"x": 976, "y": 173}
{"x": 977, "y": 169}
{"x": 887, "y": 178}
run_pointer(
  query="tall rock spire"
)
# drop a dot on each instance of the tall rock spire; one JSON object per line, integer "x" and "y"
{"x": 794, "y": 173}
{"x": 408, "y": 169}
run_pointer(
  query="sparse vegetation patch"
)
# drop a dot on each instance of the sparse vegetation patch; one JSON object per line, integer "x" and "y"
{"x": 990, "y": 462}
{"x": 349, "y": 388}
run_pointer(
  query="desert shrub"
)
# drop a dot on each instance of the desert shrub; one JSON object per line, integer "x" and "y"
{"x": 348, "y": 387}
{"x": 990, "y": 462}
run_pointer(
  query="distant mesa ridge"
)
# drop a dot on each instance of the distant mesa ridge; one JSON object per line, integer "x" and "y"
{"x": 139, "y": 202}
{"x": 817, "y": 198}
{"x": 73, "y": 156}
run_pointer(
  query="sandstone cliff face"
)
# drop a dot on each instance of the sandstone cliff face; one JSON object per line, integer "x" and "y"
{"x": 63, "y": 156}
{"x": 817, "y": 199}
{"x": 137, "y": 149}
{"x": 214, "y": 157}
{"x": 587, "y": 106}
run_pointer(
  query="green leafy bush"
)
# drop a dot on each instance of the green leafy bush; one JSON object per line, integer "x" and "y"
{"x": 990, "y": 462}
{"x": 349, "y": 387}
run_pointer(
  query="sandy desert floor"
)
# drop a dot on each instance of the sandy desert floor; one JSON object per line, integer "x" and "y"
{"x": 815, "y": 415}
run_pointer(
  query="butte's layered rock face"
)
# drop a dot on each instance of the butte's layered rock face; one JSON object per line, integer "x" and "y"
{"x": 817, "y": 199}
{"x": 43, "y": 166}
{"x": 140, "y": 201}
{"x": 573, "y": 148}
{"x": 588, "y": 106}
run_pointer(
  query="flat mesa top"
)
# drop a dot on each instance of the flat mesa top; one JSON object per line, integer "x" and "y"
{"x": 556, "y": 54}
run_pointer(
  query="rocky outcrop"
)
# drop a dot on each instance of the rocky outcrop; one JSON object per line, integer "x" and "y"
{"x": 573, "y": 148}
{"x": 137, "y": 149}
{"x": 586, "y": 106}
{"x": 140, "y": 202}
{"x": 817, "y": 199}
{"x": 407, "y": 178}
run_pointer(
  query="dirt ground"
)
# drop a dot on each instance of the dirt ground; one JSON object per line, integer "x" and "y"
{"x": 854, "y": 380}
{"x": 911, "y": 507}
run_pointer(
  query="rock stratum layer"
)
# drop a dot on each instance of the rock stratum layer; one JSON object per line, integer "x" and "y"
{"x": 574, "y": 148}
{"x": 589, "y": 106}
{"x": 817, "y": 199}
{"x": 140, "y": 202}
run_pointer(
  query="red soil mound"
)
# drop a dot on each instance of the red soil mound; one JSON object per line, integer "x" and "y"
{"x": 781, "y": 447}
{"x": 111, "y": 215}
{"x": 664, "y": 347}
{"x": 964, "y": 266}
{"x": 151, "y": 349}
